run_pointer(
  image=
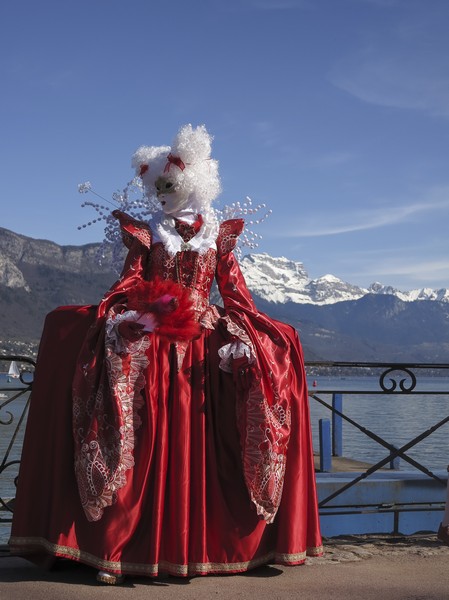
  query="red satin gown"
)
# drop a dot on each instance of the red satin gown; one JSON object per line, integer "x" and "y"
{"x": 186, "y": 457}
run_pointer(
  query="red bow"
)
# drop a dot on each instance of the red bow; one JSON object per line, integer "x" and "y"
{"x": 143, "y": 169}
{"x": 187, "y": 231}
{"x": 174, "y": 160}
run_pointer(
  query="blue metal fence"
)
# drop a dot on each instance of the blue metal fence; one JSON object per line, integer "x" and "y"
{"x": 340, "y": 493}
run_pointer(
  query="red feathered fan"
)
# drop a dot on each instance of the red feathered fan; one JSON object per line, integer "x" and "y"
{"x": 170, "y": 303}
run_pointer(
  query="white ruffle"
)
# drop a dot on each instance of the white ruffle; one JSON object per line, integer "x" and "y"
{"x": 166, "y": 233}
{"x": 233, "y": 350}
{"x": 148, "y": 320}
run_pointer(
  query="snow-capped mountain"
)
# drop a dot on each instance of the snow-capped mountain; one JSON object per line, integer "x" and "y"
{"x": 280, "y": 280}
{"x": 335, "y": 320}
{"x": 277, "y": 280}
{"x": 441, "y": 295}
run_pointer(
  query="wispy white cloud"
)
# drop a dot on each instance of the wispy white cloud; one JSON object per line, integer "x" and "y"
{"x": 404, "y": 264}
{"x": 398, "y": 82}
{"x": 405, "y": 65}
{"x": 271, "y": 138}
{"x": 432, "y": 272}
{"x": 349, "y": 221}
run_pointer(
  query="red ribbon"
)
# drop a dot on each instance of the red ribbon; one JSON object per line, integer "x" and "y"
{"x": 187, "y": 230}
{"x": 174, "y": 160}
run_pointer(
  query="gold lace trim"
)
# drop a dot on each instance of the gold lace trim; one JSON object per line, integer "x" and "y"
{"x": 16, "y": 546}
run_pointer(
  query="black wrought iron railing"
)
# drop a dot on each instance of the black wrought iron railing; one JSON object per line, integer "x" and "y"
{"x": 16, "y": 379}
{"x": 412, "y": 394}
{"x": 337, "y": 389}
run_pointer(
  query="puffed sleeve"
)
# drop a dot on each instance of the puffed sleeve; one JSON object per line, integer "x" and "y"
{"x": 132, "y": 229}
{"x": 230, "y": 280}
{"x": 258, "y": 357}
{"x": 137, "y": 237}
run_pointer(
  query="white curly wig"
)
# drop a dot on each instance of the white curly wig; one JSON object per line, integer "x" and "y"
{"x": 190, "y": 166}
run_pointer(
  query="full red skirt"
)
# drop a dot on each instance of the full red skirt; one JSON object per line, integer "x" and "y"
{"x": 185, "y": 508}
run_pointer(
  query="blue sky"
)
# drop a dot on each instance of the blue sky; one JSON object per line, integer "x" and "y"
{"x": 333, "y": 112}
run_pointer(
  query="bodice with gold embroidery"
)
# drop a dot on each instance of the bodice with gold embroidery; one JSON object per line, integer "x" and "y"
{"x": 193, "y": 270}
{"x": 189, "y": 268}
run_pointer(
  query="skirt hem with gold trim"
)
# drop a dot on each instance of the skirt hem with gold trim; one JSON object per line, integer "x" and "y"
{"x": 24, "y": 547}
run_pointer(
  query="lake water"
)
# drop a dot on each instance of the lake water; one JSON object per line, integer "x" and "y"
{"x": 397, "y": 418}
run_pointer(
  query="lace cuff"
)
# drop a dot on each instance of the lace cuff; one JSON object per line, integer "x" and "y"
{"x": 113, "y": 335}
{"x": 233, "y": 351}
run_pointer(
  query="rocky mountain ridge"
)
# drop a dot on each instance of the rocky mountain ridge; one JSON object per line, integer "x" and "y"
{"x": 281, "y": 280}
{"x": 336, "y": 320}
{"x": 38, "y": 275}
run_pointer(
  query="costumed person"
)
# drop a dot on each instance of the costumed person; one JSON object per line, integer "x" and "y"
{"x": 166, "y": 434}
{"x": 443, "y": 530}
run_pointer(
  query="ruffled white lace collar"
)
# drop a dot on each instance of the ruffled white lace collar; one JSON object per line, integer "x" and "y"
{"x": 165, "y": 232}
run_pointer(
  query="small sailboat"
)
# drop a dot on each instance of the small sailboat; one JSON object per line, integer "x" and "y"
{"x": 13, "y": 372}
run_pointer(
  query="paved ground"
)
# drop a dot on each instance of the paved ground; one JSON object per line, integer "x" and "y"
{"x": 359, "y": 567}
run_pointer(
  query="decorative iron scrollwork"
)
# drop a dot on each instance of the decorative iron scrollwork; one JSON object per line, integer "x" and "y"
{"x": 15, "y": 391}
{"x": 7, "y": 504}
{"x": 9, "y": 418}
{"x": 406, "y": 384}
{"x": 26, "y": 377}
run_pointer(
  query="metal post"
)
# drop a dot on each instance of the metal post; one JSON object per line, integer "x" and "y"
{"x": 325, "y": 445}
{"x": 337, "y": 425}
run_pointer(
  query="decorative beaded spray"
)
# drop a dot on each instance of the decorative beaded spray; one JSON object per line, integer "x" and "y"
{"x": 196, "y": 173}
{"x": 133, "y": 202}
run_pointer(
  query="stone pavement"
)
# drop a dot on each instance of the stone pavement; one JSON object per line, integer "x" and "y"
{"x": 353, "y": 567}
